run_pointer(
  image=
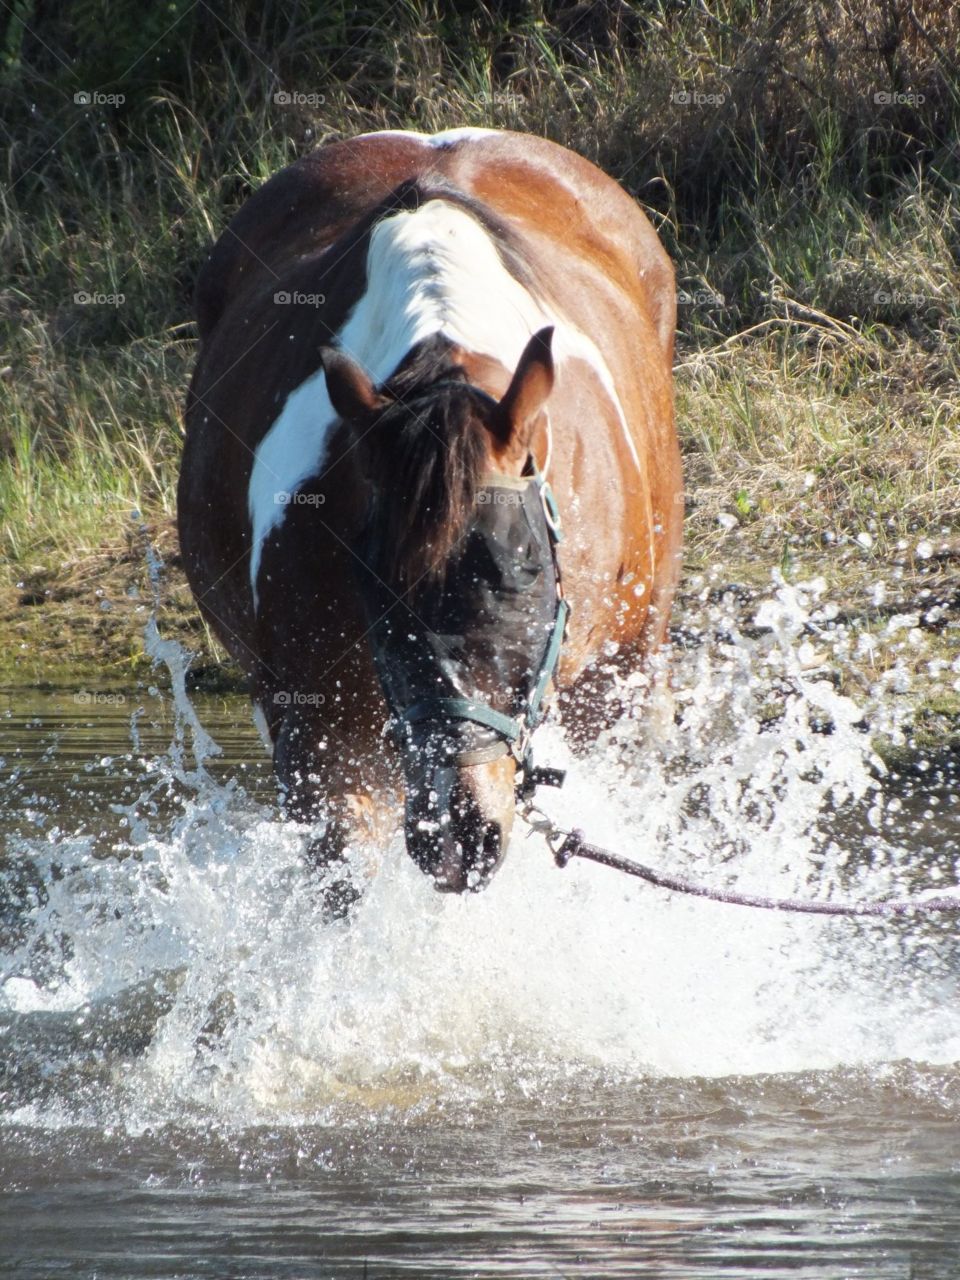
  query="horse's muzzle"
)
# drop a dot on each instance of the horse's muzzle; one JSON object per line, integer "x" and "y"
{"x": 458, "y": 824}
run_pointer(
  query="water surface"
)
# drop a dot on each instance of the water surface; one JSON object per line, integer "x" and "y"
{"x": 568, "y": 1075}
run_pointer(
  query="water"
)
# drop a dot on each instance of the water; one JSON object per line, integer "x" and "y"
{"x": 569, "y": 1075}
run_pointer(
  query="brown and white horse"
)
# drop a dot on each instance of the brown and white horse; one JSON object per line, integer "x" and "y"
{"x": 396, "y": 332}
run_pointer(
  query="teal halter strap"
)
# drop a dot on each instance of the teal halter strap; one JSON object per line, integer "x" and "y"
{"x": 514, "y": 730}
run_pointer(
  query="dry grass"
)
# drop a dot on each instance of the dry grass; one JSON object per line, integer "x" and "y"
{"x": 856, "y": 447}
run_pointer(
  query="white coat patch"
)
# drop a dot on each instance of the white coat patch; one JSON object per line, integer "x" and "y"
{"x": 445, "y": 138}
{"x": 434, "y": 270}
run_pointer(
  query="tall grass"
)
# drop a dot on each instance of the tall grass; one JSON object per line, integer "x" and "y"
{"x": 800, "y": 161}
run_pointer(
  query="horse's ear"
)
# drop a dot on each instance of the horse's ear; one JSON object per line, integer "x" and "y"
{"x": 351, "y": 391}
{"x": 526, "y": 395}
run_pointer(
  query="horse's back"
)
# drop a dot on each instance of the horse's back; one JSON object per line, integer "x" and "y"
{"x": 544, "y": 191}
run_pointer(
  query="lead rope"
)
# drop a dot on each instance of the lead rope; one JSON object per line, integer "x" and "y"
{"x": 565, "y": 845}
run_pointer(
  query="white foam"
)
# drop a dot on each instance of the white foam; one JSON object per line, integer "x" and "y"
{"x": 426, "y": 996}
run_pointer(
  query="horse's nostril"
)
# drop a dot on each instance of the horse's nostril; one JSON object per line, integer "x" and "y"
{"x": 481, "y": 856}
{"x": 425, "y": 846}
{"x": 457, "y": 859}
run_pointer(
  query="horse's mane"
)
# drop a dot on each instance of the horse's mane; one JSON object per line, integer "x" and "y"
{"x": 429, "y": 454}
{"x": 429, "y": 451}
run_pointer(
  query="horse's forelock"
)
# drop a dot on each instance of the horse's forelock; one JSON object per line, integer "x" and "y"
{"x": 428, "y": 459}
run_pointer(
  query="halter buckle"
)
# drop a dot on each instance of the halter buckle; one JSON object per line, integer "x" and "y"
{"x": 531, "y": 776}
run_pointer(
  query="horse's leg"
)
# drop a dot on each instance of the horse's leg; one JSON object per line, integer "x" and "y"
{"x": 319, "y": 784}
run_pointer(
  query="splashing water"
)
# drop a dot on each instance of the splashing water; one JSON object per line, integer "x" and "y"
{"x": 185, "y": 972}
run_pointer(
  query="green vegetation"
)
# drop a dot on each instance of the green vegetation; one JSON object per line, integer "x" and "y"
{"x": 799, "y": 159}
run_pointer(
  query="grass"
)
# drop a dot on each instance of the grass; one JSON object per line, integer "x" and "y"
{"x": 816, "y": 233}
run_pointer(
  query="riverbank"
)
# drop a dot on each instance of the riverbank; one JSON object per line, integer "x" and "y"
{"x": 885, "y": 634}
{"x": 839, "y": 467}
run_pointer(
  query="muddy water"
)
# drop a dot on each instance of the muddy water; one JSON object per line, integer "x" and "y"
{"x": 569, "y": 1075}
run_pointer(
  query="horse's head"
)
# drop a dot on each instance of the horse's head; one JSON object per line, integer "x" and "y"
{"x": 459, "y": 584}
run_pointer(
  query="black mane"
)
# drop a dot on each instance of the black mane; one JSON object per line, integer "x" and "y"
{"x": 429, "y": 454}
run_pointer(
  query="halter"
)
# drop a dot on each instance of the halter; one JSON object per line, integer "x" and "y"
{"x": 515, "y": 732}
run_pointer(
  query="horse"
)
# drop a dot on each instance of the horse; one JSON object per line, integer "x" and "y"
{"x": 424, "y": 360}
